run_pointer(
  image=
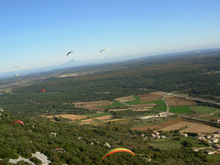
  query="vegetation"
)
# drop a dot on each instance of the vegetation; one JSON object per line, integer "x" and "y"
{"x": 184, "y": 109}
{"x": 85, "y": 144}
{"x": 203, "y": 110}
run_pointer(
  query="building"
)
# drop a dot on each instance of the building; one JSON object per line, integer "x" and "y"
{"x": 217, "y": 146}
{"x": 209, "y": 152}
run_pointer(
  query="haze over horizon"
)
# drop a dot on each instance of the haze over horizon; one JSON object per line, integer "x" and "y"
{"x": 40, "y": 33}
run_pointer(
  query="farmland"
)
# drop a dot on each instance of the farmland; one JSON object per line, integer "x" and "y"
{"x": 177, "y": 101}
{"x": 203, "y": 110}
{"x": 191, "y": 127}
{"x": 184, "y": 109}
{"x": 173, "y": 143}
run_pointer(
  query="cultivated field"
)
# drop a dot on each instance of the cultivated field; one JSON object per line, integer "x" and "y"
{"x": 70, "y": 116}
{"x": 173, "y": 101}
{"x": 151, "y": 97}
{"x": 203, "y": 110}
{"x": 192, "y": 127}
{"x": 148, "y": 127}
{"x": 93, "y": 105}
{"x": 172, "y": 122}
{"x": 88, "y": 121}
{"x": 124, "y": 99}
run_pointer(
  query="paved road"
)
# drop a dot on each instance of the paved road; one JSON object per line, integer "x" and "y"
{"x": 168, "y": 112}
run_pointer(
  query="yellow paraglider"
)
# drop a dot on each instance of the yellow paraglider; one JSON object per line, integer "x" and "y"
{"x": 117, "y": 150}
{"x": 104, "y": 50}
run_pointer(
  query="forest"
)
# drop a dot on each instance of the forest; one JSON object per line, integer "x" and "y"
{"x": 85, "y": 144}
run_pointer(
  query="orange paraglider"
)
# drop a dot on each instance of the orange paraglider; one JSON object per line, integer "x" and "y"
{"x": 43, "y": 90}
{"x": 117, "y": 150}
{"x": 18, "y": 122}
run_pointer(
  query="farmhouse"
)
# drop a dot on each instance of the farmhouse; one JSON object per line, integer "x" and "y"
{"x": 184, "y": 134}
{"x": 208, "y": 136}
{"x": 209, "y": 152}
{"x": 195, "y": 149}
{"x": 217, "y": 146}
{"x": 215, "y": 135}
{"x": 215, "y": 140}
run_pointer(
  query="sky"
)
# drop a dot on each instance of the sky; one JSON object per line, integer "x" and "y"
{"x": 40, "y": 33}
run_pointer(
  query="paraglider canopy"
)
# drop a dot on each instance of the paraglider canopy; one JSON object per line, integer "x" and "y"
{"x": 117, "y": 150}
{"x": 43, "y": 90}
{"x": 16, "y": 66}
{"x": 59, "y": 149}
{"x": 104, "y": 50}
{"x": 69, "y": 53}
{"x": 16, "y": 75}
{"x": 18, "y": 121}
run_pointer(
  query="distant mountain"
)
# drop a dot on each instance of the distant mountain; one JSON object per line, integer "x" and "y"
{"x": 192, "y": 53}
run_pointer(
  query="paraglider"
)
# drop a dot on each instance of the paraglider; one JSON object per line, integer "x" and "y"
{"x": 18, "y": 121}
{"x": 16, "y": 75}
{"x": 104, "y": 50}
{"x": 69, "y": 53}
{"x": 43, "y": 90}
{"x": 16, "y": 66}
{"x": 59, "y": 149}
{"x": 117, "y": 150}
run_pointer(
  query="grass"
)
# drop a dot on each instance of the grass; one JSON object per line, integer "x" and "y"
{"x": 203, "y": 110}
{"x": 136, "y": 101}
{"x": 216, "y": 156}
{"x": 184, "y": 109}
{"x": 170, "y": 143}
{"x": 166, "y": 144}
{"x": 160, "y": 105}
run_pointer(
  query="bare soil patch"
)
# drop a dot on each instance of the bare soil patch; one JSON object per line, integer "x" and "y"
{"x": 124, "y": 99}
{"x": 70, "y": 116}
{"x": 192, "y": 127}
{"x": 172, "y": 122}
{"x": 93, "y": 105}
{"x": 68, "y": 75}
{"x": 151, "y": 96}
{"x": 177, "y": 101}
{"x": 88, "y": 121}
{"x": 148, "y": 127}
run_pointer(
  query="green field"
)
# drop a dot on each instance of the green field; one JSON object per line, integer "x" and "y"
{"x": 136, "y": 101}
{"x": 216, "y": 156}
{"x": 203, "y": 110}
{"x": 184, "y": 109}
{"x": 170, "y": 143}
{"x": 161, "y": 105}
{"x": 114, "y": 104}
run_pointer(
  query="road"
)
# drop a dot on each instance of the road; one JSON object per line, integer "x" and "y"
{"x": 167, "y": 112}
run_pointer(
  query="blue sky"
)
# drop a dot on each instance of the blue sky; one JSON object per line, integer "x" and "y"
{"x": 40, "y": 33}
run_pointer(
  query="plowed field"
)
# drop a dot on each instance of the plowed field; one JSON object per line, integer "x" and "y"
{"x": 124, "y": 99}
{"x": 151, "y": 97}
{"x": 93, "y": 105}
{"x": 192, "y": 127}
{"x": 173, "y": 101}
{"x": 70, "y": 116}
